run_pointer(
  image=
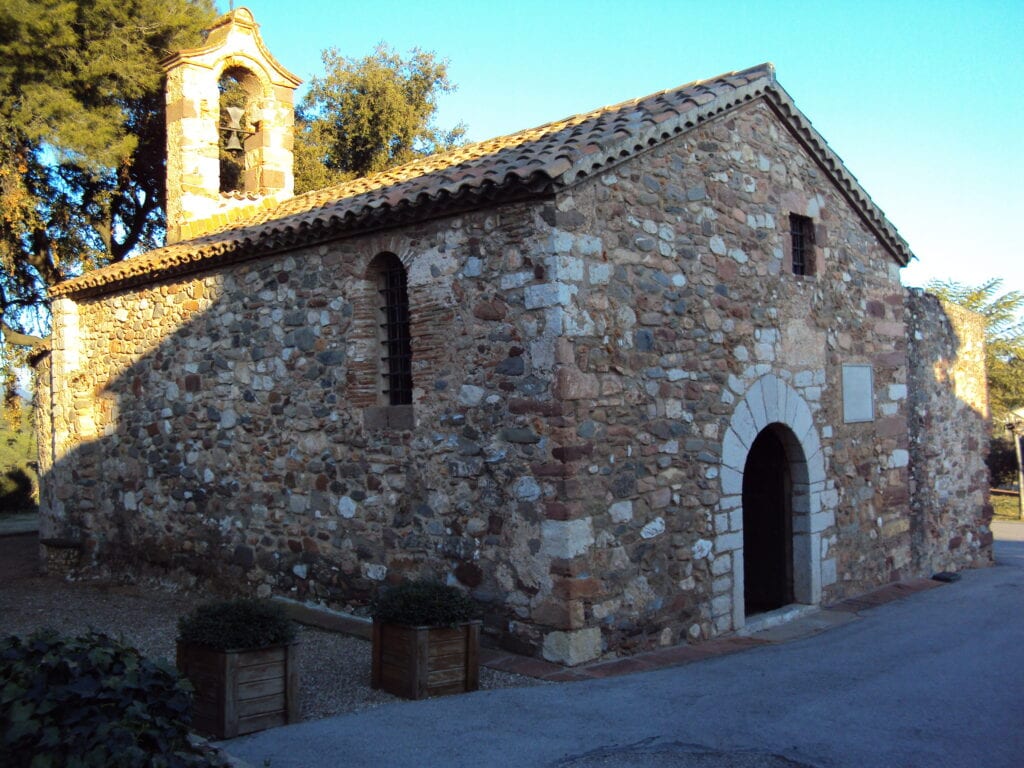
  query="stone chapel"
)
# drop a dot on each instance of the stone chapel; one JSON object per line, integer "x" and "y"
{"x": 632, "y": 378}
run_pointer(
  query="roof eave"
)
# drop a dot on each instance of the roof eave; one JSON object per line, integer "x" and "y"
{"x": 293, "y": 233}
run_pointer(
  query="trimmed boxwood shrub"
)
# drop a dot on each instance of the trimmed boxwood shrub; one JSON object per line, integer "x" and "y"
{"x": 424, "y": 604}
{"x": 230, "y": 625}
{"x": 91, "y": 701}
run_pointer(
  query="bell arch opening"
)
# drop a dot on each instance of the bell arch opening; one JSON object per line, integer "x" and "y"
{"x": 236, "y": 88}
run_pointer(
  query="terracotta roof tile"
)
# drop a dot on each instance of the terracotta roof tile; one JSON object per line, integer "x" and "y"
{"x": 534, "y": 161}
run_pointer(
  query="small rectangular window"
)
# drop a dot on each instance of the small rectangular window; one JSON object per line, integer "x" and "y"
{"x": 801, "y": 233}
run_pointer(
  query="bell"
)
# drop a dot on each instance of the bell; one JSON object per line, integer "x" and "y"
{"x": 234, "y": 117}
{"x": 234, "y": 128}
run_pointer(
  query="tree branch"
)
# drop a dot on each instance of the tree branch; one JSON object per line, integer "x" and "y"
{"x": 19, "y": 339}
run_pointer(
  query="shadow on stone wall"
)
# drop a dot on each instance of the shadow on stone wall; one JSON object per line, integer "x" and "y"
{"x": 227, "y": 454}
{"x": 949, "y": 426}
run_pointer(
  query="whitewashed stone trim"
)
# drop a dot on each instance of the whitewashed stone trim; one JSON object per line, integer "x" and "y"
{"x": 770, "y": 400}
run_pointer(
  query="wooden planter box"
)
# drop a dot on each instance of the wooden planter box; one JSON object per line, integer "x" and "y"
{"x": 417, "y": 662}
{"x": 239, "y": 692}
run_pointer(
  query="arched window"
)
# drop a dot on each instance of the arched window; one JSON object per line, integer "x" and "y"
{"x": 395, "y": 342}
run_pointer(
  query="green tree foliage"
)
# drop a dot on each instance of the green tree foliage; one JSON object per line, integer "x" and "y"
{"x": 91, "y": 701}
{"x": 367, "y": 115}
{"x": 81, "y": 140}
{"x": 18, "y": 467}
{"x": 1004, "y": 338}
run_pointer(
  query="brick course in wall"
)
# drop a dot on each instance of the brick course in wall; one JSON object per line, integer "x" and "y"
{"x": 589, "y": 371}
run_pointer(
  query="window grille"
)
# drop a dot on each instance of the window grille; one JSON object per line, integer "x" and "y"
{"x": 396, "y": 363}
{"x": 801, "y": 230}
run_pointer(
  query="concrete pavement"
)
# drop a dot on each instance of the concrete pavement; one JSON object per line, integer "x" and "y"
{"x": 931, "y": 680}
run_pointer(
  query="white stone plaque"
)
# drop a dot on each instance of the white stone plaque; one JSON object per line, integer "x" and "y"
{"x": 858, "y": 393}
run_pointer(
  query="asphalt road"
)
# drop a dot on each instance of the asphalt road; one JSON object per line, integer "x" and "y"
{"x": 933, "y": 680}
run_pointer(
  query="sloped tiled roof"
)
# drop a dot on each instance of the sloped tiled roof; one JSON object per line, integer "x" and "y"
{"x": 528, "y": 163}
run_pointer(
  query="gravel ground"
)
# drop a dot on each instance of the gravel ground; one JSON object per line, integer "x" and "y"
{"x": 334, "y": 669}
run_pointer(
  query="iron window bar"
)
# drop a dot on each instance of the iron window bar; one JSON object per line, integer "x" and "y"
{"x": 397, "y": 359}
{"x": 801, "y": 231}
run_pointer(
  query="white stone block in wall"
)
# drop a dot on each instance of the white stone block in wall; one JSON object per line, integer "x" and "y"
{"x": 722, "y": 523}
{"x": 734, "y": 452}
{"x": 730, "y": 502}
{"x": 471, "y": 395}
{"x": 815, "y": 463}
{"x": 899, "y": 458}
{"x": 721, "y": 605}
{"x": 374, "y": 571}
{"x": 566, "y": 538}
{"x": 561, "y": 242}
{"x": 574, "y": 647}
{"x": 728, "y": 542}
{"x": 515, "y": 280}
{"x": 346, "y": 507}
{"x": 721, "y": 565}
{"x": 897, "y": 391}
{"x": 600, "y": 274}
{"x": 565, "y": 267}
{"x": 542, "y": 355}
{"x": 579, "y": 324}
{"x": 474, "y": 267}
{"x": 761, "y": 400}
{"x": 701, "y": 549}
{"x": 802, "y": 424}
{"x": 828, "y": 572}
{"x": 621, "y": 511}
{"x": 653, "y": 529}
{"x": 588, "y": 245}
{"x": 526, "y": 489}
{"x": 736, "y": 520}
{"x": 554, "y": 322}
{"x": 732, "y": 482}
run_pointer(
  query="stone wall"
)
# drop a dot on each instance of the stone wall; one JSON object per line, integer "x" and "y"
{"x": 949, "y": 428}
{"x": 214, "y": 427}
{"x": 686, "y": 319}
{"x": 590, "y": 372}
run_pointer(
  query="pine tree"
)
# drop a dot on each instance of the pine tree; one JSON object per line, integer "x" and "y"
{"x": 81, "y": 141}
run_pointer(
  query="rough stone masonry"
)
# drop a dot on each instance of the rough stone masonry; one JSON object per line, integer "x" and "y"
{"x": 593, "y": 361}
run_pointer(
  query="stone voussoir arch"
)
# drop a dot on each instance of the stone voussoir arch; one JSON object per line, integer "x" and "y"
{"x": 770, "y": 402}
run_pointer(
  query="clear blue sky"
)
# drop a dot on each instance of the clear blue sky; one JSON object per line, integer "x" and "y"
{"x": 922, "y": 100}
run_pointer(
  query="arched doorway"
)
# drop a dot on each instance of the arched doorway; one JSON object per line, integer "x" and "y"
{"x": 771, "y": 414}
{"x": 768, "y": 523}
